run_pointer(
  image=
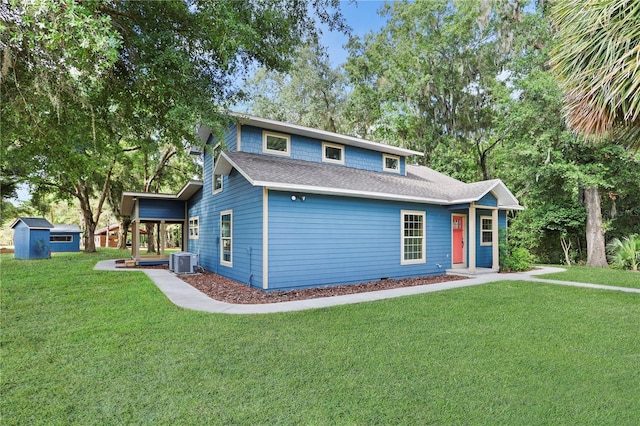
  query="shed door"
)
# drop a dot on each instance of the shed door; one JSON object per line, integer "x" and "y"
{"x": 458, "y": 239}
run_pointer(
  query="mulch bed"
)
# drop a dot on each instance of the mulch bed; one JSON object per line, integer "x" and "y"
{"x": 226, "y": 290}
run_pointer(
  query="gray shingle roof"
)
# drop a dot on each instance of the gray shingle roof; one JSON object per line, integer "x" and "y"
{"x": 33, "y": 222}
{"x": 421, "y": 184}
{"x": 66, "y": 228}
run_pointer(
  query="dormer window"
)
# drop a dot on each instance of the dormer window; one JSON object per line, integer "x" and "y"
{"x": 276, "y": 143}
{"x": 391, "y": 163}
{"x": 332, "y": 153}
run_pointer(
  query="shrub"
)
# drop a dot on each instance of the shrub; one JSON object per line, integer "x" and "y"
{"x": 625, "y": 253}
{"x": 513, "y": 259}
{"x": 518, "y": 260}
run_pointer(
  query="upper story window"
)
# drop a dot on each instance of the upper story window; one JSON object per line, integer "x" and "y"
{"x": 332, "y": 153}
{"x": 217, "y": 179}
{"x": 276, "y": 143}
{"x": 390, "y": 163}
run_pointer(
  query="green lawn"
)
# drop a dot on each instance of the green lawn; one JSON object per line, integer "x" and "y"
{"x": 586, "y": 274}
{"x": 86, "y": 347}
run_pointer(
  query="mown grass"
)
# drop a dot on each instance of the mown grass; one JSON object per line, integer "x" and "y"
{"x": 586, "y": 274}
{"x": 86, "y": 347}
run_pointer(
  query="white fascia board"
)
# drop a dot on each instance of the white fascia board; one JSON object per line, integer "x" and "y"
{"x": 225, "y": 165}
{"x": 189, "y": 189}
{"x": 510, "y": 203}
{"x": 324, "y": 135}
{"x": 346, "y": 192}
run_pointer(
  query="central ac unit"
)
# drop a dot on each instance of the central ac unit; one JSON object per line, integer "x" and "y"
{"x": 185, "y": 263}
{"x": 172, "y": 259}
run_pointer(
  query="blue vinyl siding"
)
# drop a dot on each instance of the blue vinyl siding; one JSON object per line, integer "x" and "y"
{"x": 160, "y": 209}
{"x": 30, "y": 243}
{"x": 338, "y": 240}
{"x": 484, "y": 254}
{"x": 488, "y": 200}
{"x": 72, "y": 246}
{"x": 246, "y": 202}
{"x": 230, "y": 138}
{"x": 309, "y": 149}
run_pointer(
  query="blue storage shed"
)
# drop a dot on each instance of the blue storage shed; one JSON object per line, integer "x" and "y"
{"x": 31, "y": 238}
{"x": 65, "y": 238}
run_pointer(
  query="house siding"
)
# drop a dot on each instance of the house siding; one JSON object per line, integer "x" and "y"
{"x": 484, "y": 254}
{"x": 160, "y": 209}
{"x": 310, "y": 149}
{"x": 488, "y": 200}
{"x": 339, "y": 240}
{"x": 246, "y": 203}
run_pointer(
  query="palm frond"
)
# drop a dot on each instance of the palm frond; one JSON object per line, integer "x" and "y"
{"x": 597, "y": 62}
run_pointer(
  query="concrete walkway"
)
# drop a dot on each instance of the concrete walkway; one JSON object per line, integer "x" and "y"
{"x": 186, "y": 296}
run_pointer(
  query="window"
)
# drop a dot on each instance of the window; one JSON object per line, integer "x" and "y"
{"x": 61, "y": 238}
{"x": 332, "y": 153}
{"x": 413, "y": 237}
{"x": 194, "y": 228}
{"x": 390, "y": 163}
{"x": 226, "y": 238}
{"x": 217, "y": 179}
{"x": 275, "y": 143}
{"x": 486, "y": 231}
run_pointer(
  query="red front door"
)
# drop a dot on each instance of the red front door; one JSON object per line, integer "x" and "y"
{"x": 458, "y": 239}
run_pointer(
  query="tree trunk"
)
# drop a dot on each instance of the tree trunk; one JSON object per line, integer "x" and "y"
{"x": 566, "y": 246}
{"x": 150, "y": 237}
{"x": 122, "y": 233}
{"x": 596, "y": 254}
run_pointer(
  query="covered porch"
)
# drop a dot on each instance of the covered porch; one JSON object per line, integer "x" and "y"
{"x": 475, "y": 228}
{"x": 160, "y": 210}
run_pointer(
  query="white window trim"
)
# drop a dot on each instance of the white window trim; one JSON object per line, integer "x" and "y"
{"x": 213, "y": 184}
{"x": 326, "y": 145}
{"x": 213, "y": 176}
{"x": 384, "y": 163}
{"x": 482, "y": 231}
{"x": 222, "y": 261}
{"x": 286, "y": 153}
{"x": 68, "y": 238}
{"x": 423, "y": 259}
{"x": 196, "y": 226}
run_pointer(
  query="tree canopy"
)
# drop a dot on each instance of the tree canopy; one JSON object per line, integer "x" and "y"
{"x": 86, "y": 82}
{"x": 596, "y": 62}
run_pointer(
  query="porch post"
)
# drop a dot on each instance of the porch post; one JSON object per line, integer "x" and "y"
{"x": 135, "y": 239}
{"x": 472, "y": 237}
{"x": 163, "y": 237}
{"x": 495, "y": 253}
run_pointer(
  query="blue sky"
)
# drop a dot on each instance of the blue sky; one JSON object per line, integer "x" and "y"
{"x": 362, "y": 18}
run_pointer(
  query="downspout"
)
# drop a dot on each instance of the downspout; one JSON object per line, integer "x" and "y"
{"x": 250, "y": 273}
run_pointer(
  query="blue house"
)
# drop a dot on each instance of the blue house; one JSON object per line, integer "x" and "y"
{"x": 65, "y": 238}
{"x": 31, "y": 238}
{"x": 283, "y": 206}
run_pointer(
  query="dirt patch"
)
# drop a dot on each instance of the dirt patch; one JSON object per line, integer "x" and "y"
{"x": 226, "y": 290}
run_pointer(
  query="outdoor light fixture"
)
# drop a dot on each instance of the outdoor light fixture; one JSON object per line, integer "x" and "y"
{"x": 298, "y": 197}
{"x": 293, "y": 198}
